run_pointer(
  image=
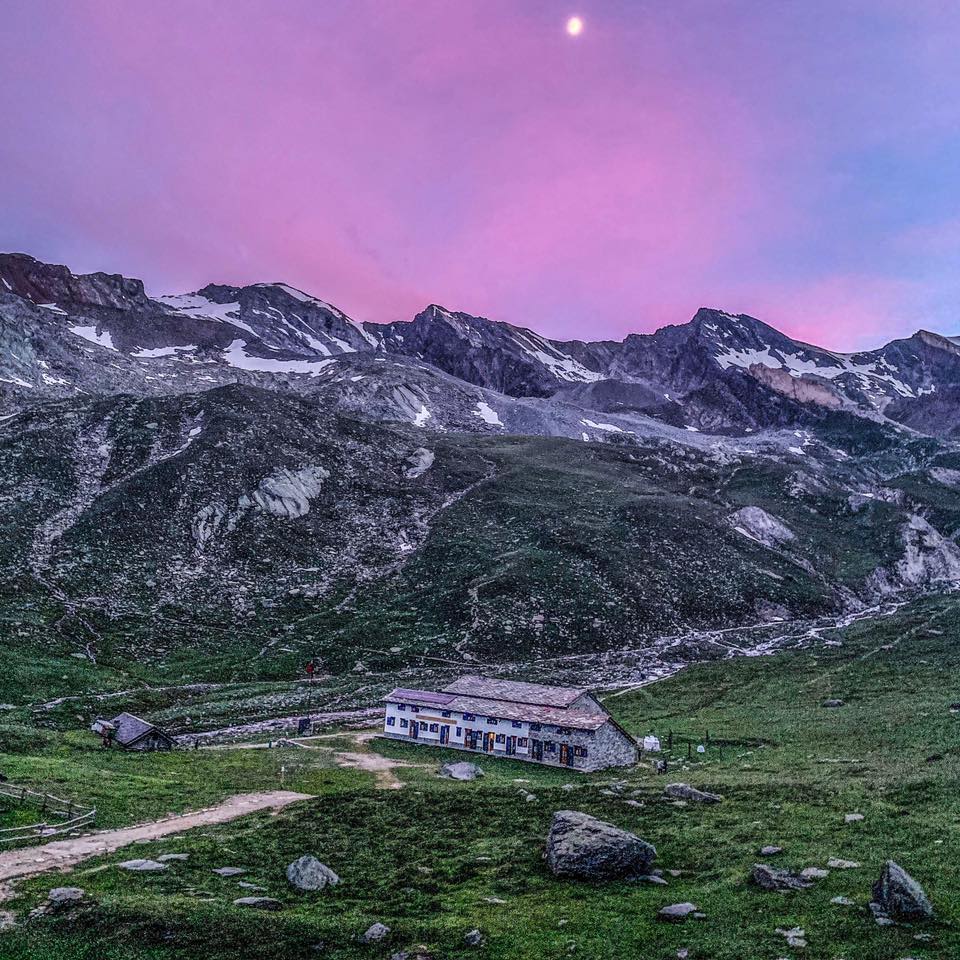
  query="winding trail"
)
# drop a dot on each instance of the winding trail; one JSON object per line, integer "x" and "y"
{"x": 63, "y": 854}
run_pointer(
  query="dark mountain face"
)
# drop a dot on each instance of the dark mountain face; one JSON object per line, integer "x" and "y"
{"x": 510, "y": 360}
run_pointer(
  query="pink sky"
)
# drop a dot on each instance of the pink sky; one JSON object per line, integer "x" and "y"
{"x": 790, "y": 161}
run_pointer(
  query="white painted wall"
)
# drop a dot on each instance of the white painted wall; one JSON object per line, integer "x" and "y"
{"x": 482, "y": 724}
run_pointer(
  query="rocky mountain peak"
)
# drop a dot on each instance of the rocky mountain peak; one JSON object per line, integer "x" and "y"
{"x": 47, "y": 283}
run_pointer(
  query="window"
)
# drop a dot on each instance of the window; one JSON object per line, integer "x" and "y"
{"x": 414, "y": 709}
{"x": 517, "y": 724}
{"x": 444, "y": 713}
{"x": 423, "y": 727}
{"x": 564, "y": 730}
{"x": 501, "y": 738}
{"x": 492, "y": 721}
{"x": 579, "y": 751}
{"x": 402, "y": 706}
{"x": 521, "y": 741}
{"x": 404, "y": 721}
{"x": 459, "y": 731}
{"x": 434, "y": 727}
{"x": 535, "y": 727}
{"x": 391, "y": 721}
{"x": 549, "y": 746}
{"x": 469, "y": 716}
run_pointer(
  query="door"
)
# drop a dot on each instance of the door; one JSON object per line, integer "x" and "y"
{"x": 566, "y": 757}
{"x": 444, "y": 733}
{"x": 488, "y": 742}
{"x": 414, "y": 729}
{"x": 511, "y": 746}
{"x": 468, "y": 740}
{"x": 536, "y": 749}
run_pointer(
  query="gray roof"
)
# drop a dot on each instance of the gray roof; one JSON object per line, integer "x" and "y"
{"x": 515, "y": 692}
{"x": 130, "y": 728}
{"x": 502, "y": 709}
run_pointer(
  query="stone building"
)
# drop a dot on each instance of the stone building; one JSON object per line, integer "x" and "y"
{"x": 562, "y": 726}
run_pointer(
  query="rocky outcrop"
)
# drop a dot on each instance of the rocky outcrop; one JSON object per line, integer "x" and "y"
{"x": 803, "y": 389}
{"x": 584, "y": 848}
{"x": 928, "y": 559}
{"x": 756, "y": 523}
{"x": 773, "y": 878}
{"x": 900, "y": 896}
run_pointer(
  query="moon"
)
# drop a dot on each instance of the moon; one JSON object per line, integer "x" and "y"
{"x": 575, "y": 26}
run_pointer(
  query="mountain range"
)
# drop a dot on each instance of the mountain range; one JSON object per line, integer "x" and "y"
{"x": 239, "y": 477}
{"x": 65, "y": 335}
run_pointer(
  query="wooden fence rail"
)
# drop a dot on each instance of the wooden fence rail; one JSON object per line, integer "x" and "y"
{"x": 70, "y": 816}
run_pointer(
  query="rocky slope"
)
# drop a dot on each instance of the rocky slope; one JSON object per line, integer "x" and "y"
{"x": 241, "y": 476}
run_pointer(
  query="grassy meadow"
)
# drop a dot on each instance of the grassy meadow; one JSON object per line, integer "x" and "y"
{"x": 436, "y": 859}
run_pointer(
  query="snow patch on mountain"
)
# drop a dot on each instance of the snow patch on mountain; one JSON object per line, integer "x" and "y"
{"x": 152, "y": 353}
{"x": 608, "y": 427}
{"x": 101, "y": 338}
{"x": 487, "y": 414}
{"x": 236, "y": 356}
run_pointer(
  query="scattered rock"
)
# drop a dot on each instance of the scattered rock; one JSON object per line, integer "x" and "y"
{"x": 229, "y": 871}
{"x": 167, "y": 857}
{"x": 633, "y": 803}
{"x": 653, "y": 878}
{"x": 836, "y": 864}
{"x": 461, "y": 771}
{"x": 62, "y": 898}
{"x": 853, "y": 818}
{"x": 842, "y": 901}
{"x": 586, "y": 848}
{"x": 795, "y": 936}
{"x": 308, "y": 874}
{"x": 142, "y": 866}
{"x": 473, "y": 939}
{"x": 243, "y": 885}
{"x": 899, "y": 895}
{"x": 814, "y": 873}
{"x": 494, "y": 900}
{"x": 833, "y": 703}
{"x": 683, "y": 791}
{"x": 375, "y": 933}
{"x": 676, "y": 912}
{"x": 770, "y": 850}
{"x": 258, "y": 903}
{"x": 772, "y": 878}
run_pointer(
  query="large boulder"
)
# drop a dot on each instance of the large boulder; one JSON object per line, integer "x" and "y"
{"x": 899, "y": 895}
{"x": 461, "y": 771}
{"x": 309, "y": 874}
{"x": 586, "y": 848}
{"x": 683, "y": 791}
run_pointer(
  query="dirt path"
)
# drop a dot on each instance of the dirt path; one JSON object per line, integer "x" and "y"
{"x": 63, "y": 854}
{"x": 381, "y": 767}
